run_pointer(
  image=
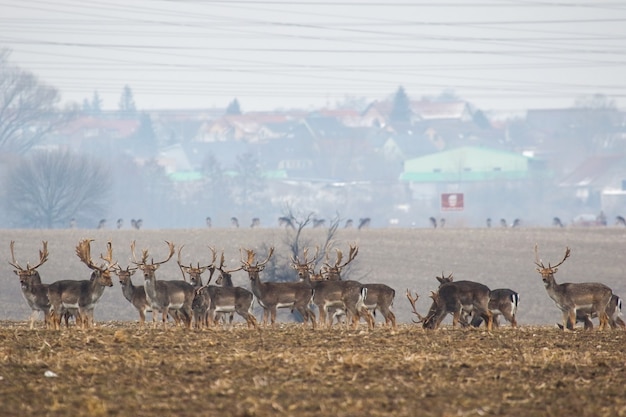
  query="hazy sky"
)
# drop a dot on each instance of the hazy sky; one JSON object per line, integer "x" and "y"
{"x": 497, "y": 54}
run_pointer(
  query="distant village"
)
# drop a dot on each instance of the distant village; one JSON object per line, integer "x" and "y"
{"x": 443, "y": 164}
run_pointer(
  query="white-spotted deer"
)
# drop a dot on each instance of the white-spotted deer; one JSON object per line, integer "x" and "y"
{"x": 592, "y": 297}
{"x": 81, "y": 296}
{"x": 34, "y": 291}
{"x": 456, "y": 297}
{"x": 502, "y": 302}
{"x": 173, "y": 296}
{"x": 334, "y": 293}
{"x": 272, "y": 295}
{"x": 135, "y": 294}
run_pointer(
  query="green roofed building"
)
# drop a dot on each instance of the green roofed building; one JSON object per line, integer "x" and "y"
{"x": 467, "y": 164}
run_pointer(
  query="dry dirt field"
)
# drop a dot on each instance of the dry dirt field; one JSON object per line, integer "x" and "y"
{"x": 119, "y": 368}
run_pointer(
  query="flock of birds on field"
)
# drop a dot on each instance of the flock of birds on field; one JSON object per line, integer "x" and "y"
{"x": 191, "y": 301}
{"x": 289, "y": 222}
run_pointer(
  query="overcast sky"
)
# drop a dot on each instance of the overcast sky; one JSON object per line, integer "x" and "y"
{"x": 497, "y": 54}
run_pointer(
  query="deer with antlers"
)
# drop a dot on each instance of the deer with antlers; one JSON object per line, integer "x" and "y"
{"x": 81, "y": 296}
{"x": 502, "y": 302}
{"x": 456, "y": 297}
{"x": 592, "y": 297}
{"x": 174, "y": 296}
{"x": 34, "y": 291}
{"x": 273, "y": 295}
{"x": 201, "y": 302}
{"x": 335, "y": 293}
{"x": 135, "y": 294}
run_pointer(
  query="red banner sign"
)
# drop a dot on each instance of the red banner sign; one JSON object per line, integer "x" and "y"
{"x": 452, "y": 201}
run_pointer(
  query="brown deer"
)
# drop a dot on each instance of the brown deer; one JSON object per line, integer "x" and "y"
{"x": 455, "y": 297}
{"x": 502, "y": 302}
{"x": 613, "y": 310}
{"x": 593, "y": 297}
{"x": 199, "y": 306}
{"x": 34, "y": 291}
{"x": 136, "y": 295}
{"x": 380, "y": 297}
{"x": 333, "y": 292}
{"x": 82, "y": 296}
{"x": 272, "y": 295}
{"x": 165, "y": 296}
{"x": 227, "y": 298}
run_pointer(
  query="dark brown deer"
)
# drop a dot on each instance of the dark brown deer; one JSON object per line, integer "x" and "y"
{"x": 272, "y": 295}
{"x": 593, "y": 297}
{"x": 34, "y": 291}
{"x": 165, "y": 296}
{"x": 81, "y": 296}
{"x": 455, "y": 297}
{"x": 380, "y": 297}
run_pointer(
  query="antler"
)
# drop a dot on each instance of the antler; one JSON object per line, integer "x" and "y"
{"x": 109, "y": 258}
{"x": 550, "y": 267}
{"x": 296, "y": 262}
{"x": 413, "y": 300}
{"x": 83, "y": 251}
{"x": 269, "y": 255}
{"x": 43, "y": 257}
{"x": 144, "y": 255}
{"x": 221, "y": 267}
{"x": 251, "y": 255}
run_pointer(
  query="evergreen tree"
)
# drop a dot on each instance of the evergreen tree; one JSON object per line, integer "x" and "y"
{"x": 96, "y": 104}
{"x": 127, "y": 104}
{"x": 401, "y": 110}
{"x": 233, "y": 107}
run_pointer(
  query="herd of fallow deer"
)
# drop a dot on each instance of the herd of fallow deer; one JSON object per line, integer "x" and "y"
{"x": 192, "y": 301}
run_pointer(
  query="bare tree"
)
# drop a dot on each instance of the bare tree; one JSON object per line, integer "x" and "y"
{"x": 50, "y": 188}
{"x": 28, "y": 108}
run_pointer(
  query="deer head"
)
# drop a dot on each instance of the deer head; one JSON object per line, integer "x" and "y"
{"x": 444, "y": 279}
{"x": 333, "y": 272}
{"x": 25, "y": 274}
{"x": 304, "y": 267}
{"x": 102, "y": 272}
{"x": 253, "y": 269}
{"x": 225, "y": 274}
{"x": 547, "y": 272}
{"x": 196, "y": 272}
{"x": 149, "y": 268}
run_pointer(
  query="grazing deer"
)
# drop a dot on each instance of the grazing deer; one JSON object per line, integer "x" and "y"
{"x": 175, "y": 295}
{"x": 120, "y": 223}
{"x": 455, "y": 297}
{"x": 592, "y": 297}
{"x": 613, "y": 310}
{"x": 317, "y": 223}
{"x": 136, "y": 295}
{"x": 488, "y": 222}
{"x": 334, "y": 293}
{"x": 287, "y": 222}
{"x": 364, "y": 223}
{"x": 502, "y": 301}
{"x": 256, "y": 222}
{"x": 102, "y": 223}
{"x": 272, "y": 295}
{"x": 234, "y": 222}
{"x": 503, "y": 223}
{"x": 81, "y": 296}
{"x": 433, "y": 222}
{"x": 34, "y": 291}
{"x": 209, "y": 222}
{"x": 349, "y": 224}
{"x": 619, "y": 220}
{"x": 557, "y": 222}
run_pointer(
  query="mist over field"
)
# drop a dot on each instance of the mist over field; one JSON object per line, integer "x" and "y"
{"x": 401, "y": 258}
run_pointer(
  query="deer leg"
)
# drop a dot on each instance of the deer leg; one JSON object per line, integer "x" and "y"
{"x": 604, "y": 320}
{"x": 273, "y": 316}
{"x": 142, "y": 317}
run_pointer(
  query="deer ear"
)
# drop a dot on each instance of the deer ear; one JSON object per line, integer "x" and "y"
{"x": 16, "y": 273}
{"x": 554, "y": 270}
{"x": 439, "y": 279}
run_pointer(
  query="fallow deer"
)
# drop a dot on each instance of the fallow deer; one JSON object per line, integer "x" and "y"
{"x": 201, "y": 302}
{"x": 504, "y": 302}
{"x": 165, "y": 296}
{"x": 592, "y": 297}
{"x": 455, "y": 297}
{"x": 34, "y": 291}
{"x": 227, "y": 298}
{"x": 135, "y": 294}
{"x": 613, "y": 310}
{"x": 349, "y": 295}
{"x": 82, "y": 296}
{"x": 272, "y": 295}
{"x": 380, "y": 297}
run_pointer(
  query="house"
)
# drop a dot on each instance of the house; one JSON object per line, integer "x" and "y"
{"x": 467, "y": 164}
